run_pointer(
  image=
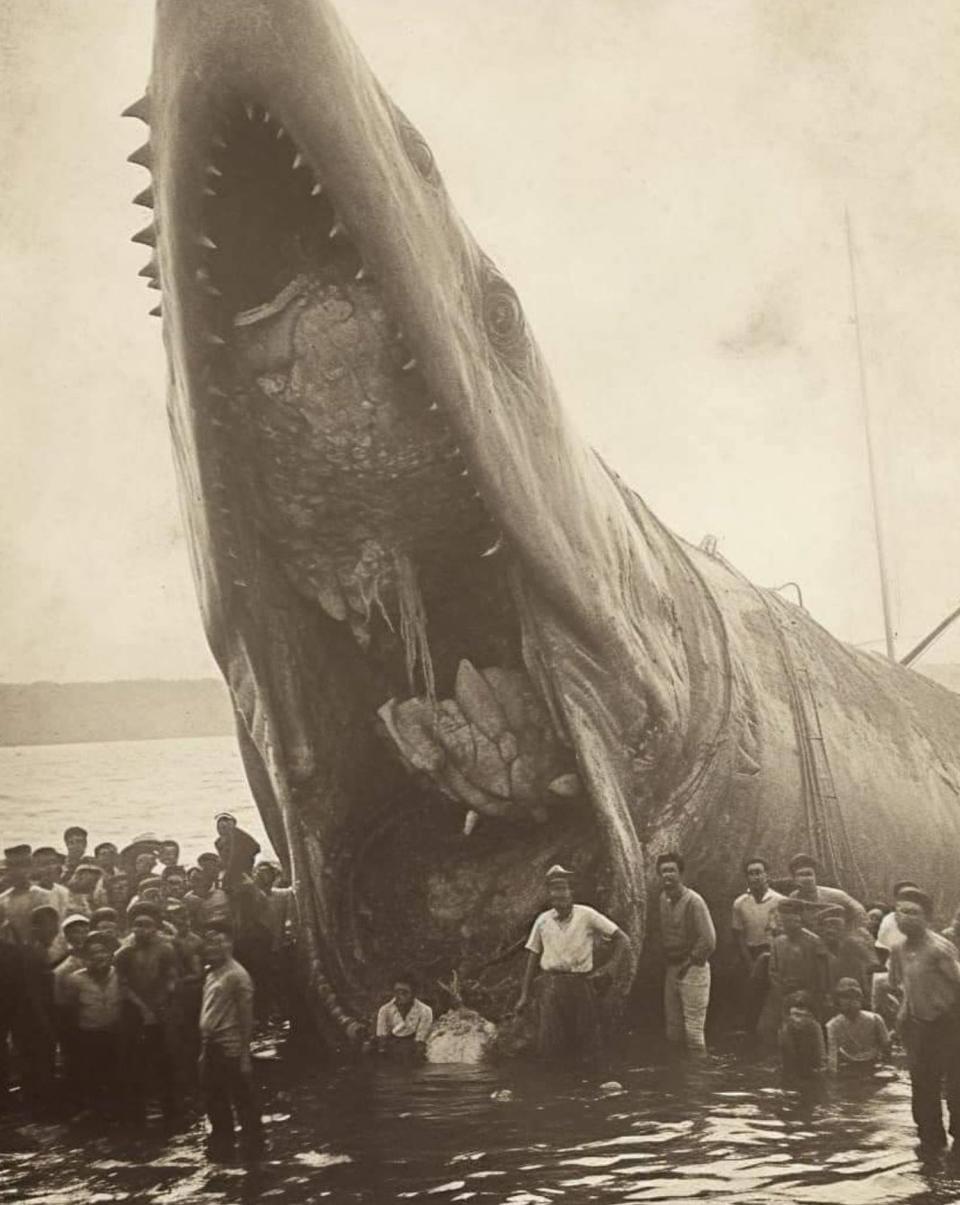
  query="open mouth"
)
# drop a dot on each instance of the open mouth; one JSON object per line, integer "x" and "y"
{"x": 442, "y": 783}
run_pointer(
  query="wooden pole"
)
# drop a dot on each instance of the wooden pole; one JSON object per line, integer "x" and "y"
{"x": 871, "y": 451}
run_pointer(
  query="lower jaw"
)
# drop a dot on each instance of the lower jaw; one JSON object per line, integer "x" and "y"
{"x": 421, "y": 898}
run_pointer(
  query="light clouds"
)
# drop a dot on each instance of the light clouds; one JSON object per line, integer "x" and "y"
{"x": 664, "y": 183}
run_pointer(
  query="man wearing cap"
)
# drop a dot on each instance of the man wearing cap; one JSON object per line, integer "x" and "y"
{"x": 561, "y": 945}
{"x": 805, "y": 870}
{"x": 147, "y": 969}
{"x": 848, "y": 956}
{"x": 798, "y": 963}
{"x": 21, "y": 897}
{"x": 855, "y": 1039}
{"x": 689, "y": 938}
{"x": 237, "y": 849}
{"x": 82, "y": 884}
{"x": 75, "y": 930}
{"x": 92, "y": 1002}
{"x": 925, "y": 972}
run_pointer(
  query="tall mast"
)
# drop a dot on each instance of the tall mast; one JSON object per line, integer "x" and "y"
{"x": 871, "y": 450}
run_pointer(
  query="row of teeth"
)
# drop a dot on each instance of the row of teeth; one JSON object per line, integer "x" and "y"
{"x": 143, "y": 157}
{"x": 206, "y": 246}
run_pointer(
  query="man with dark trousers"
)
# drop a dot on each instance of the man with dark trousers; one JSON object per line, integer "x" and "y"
{"x": 561, "y": 945}
{"x": 226, "y": 1026}
{"x": 925, "y": 973}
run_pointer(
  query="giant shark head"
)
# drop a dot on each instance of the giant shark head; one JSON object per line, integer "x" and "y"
{"x": 457, "y": 645}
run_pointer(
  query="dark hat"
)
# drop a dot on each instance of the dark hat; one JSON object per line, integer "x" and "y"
{"x": 144, "y": 908}
{"x": 798, "y": 861}
{"x": 914, "y": 895}
{"x": 103, "y": 914}
{"x": 224, "y": 816}
{"x": 17, "y": 855}
{"x": 46, "y": 853}
{"x": 43, "y": 910}
{"x": 94, "y": 940}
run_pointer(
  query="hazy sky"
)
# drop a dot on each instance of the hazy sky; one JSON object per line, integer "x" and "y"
{"x": 664, "y": 183}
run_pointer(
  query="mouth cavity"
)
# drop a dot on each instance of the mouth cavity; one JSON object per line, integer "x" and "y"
{"x": 469, "y": 786}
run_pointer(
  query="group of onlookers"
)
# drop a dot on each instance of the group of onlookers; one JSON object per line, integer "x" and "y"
{"x": 811, "y": 957}
{"x": 119, "y": 984}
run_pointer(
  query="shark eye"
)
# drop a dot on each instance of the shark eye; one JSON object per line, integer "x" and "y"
{"x": 418, "y": 152}
{"x": 503, "y": 315}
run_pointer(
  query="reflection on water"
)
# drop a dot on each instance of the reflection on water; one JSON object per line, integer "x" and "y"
{"x": 723, "y": 1129}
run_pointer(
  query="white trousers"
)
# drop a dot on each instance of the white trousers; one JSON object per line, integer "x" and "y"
{"x": 685, "y": 1005}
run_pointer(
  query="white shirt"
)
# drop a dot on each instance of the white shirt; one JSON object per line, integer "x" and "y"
{"x": 416, "y": 1024}
{"x": 567, "y": 945}
{"x": 755, "y": 920}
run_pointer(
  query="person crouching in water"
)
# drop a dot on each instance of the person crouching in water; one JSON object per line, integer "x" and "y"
{"x": 404, "y": 1022}
{"x": 856, "y": 1040}
{"x": 802, "y": 1052}
{"x": 561, "y": 945}
{"x": 226, "y": 1026}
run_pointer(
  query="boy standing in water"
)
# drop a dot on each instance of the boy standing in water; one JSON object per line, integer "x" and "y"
{"x": 404, "y": 1022}
{"x": 802, "y": 1051}
{"x": 226, "y": 1026}
{"x": 855, "y": 1039}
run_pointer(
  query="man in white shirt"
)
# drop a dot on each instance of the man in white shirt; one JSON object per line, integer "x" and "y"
{"x": 561, "y": 945}
{"x": 753, "y": 923}
{"x": 404, "y": 1022}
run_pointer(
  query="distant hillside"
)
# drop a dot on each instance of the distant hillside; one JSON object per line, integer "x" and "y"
{"x": 946, "y": 674}
{"x": 58, "y": 713}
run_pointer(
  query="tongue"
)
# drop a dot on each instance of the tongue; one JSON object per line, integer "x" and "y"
{"x": 491, "y": 748}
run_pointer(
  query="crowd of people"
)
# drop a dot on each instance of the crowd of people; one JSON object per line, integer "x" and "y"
{"x": 811, "y": 958}
{"x": 128, "y": 978}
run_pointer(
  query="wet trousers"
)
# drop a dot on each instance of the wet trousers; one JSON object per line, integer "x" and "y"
{"x": 96, "y": 1055}
{"x": 685, "y": 1005}
{"x": 569, "y": 1020}
{"x": 933, "y": 1056}
{"x": 148, "y": 1054}
{"x": 229, "y": 1091}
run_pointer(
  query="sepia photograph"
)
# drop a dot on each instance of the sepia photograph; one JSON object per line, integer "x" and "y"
{"x": 480, "y": 687}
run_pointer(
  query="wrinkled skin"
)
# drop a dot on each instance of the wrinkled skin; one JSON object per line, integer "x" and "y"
{"x": 459, "y": 647}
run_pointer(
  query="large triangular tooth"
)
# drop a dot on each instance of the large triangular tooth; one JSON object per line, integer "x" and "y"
{"x": 145, "y": 198}
{"x": 147, "y": 236}
{"x": 142, "y": 156}
{"x": 153, "y": 283}
{"x": 156, "y": 312}
{"x": 478, "y": 702}
{"x": 139, "y": 109}
{"x": 151, "y": 269}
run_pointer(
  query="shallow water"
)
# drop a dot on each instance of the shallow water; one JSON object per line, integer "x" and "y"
{"x": 725, "y": 1129}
